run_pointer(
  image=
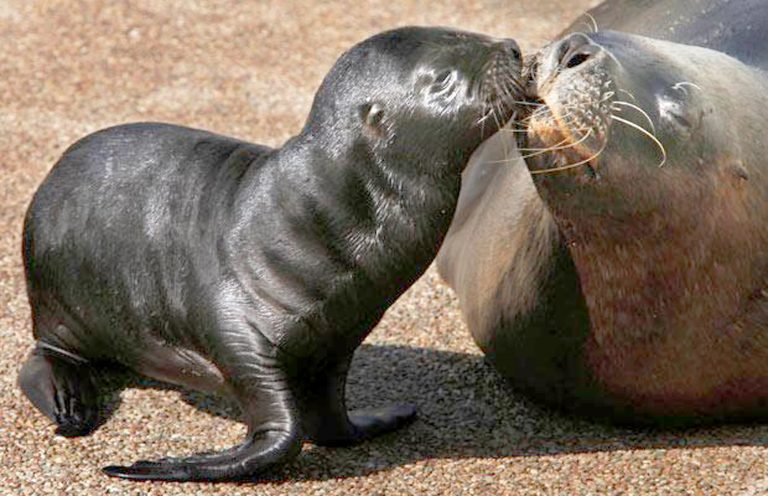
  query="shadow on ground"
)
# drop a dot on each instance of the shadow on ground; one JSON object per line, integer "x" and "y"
{"x": 465, "y": 411}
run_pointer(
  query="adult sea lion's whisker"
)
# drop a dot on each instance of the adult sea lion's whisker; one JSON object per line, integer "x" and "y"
{"x": 536, "y": 114}
{"x": 682, "y": 84}
{"x": 633, "y": 106}
{"x": 541, "y": 151}
{"x": 521, "y": 131}
{"x": 594, "y": 21}
{"x": 646, "y": 133}
{"x": 553, "y": 170}
{"x": 556, "y": 146}
{"x": 628, "y": 93}
{"x": 530, "y": 104}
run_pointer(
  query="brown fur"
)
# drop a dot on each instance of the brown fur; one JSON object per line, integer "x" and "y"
{"x": 671, "y": 260}
{"x": 524, "y": 231}
{"x": 625, "y": 289}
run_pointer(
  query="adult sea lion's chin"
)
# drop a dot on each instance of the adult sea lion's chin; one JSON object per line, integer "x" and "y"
{"x": 655, "y": 176}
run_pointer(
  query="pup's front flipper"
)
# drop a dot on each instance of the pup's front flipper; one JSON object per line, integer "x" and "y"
{"x": 249, "y": 364}
{"x": 326, "y": 420}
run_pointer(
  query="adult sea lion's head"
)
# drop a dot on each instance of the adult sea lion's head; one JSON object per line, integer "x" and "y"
{"x": 636, "y": 128}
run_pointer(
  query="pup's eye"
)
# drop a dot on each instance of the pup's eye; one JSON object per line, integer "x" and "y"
{"x": 443, "y": 77}
{"x": 373, "y": 114}
{"x": 442, "y": 81}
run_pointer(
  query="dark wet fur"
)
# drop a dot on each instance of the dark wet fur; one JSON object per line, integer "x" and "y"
{"x": 233, "y": 268}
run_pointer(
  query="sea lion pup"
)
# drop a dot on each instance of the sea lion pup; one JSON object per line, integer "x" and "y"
{"x": 230, "y": 267}
{"x": 624, "y": 277}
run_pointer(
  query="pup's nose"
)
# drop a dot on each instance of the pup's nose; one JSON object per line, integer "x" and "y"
{"x": 511, "y": 48}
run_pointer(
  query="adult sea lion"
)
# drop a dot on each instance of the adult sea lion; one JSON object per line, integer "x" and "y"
{"x": 230, "y": 267}
{"x": 623, "y": 275}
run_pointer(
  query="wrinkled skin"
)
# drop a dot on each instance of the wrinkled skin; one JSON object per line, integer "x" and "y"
{"x": 233, "y": 268}
{"x": 623, "y": 282}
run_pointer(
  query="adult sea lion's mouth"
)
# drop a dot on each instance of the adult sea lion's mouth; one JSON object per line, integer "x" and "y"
{"x": 552, "y": 142}
{"x": 568, "y": 100}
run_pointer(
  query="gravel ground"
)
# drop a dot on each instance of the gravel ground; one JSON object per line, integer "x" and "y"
{"x": 250, "y": 69}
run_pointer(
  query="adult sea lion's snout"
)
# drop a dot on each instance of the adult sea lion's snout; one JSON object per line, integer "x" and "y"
{"x": 571, "y": 86}
{"x": 567, "y": 53}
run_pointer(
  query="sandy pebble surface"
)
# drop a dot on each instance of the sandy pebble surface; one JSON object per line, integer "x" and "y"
{"x": 249, "y": 69}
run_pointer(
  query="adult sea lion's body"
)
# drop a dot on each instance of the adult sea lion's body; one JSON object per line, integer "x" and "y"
{"x": 230, "y": 267}
{"x": 605, "y": 283}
